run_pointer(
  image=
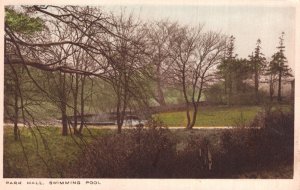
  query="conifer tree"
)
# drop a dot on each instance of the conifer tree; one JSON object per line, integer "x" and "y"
{"x": 278, "y": 66}
{"x": 257, "y": 61}
{"x": 226, "y": 69}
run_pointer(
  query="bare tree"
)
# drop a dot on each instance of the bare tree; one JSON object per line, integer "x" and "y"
{"x": 69, "y": 29}
{"x": 158, "y": 35}
{"x": 196, "y": 55}
{"x": 126, "y": 60}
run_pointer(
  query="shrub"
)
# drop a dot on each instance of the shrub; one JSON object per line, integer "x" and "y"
{"x": 247, "y": 149}
{"x": 153, "y": 152}
{"x": 194, "y": 160}
{"x": 143, "y": 152}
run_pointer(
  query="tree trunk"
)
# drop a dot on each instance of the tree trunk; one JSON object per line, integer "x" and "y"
{"x": 64, "y": 117}
{"x": 196, "y": 103}
{"x": 64, "y": 105}
{"x": 271, "y": 88}
{"x": 120, "y": 116}
{"x": 120, "y": 112}
{"x": 64, "y": 121}
{"x": 119, "y": 128}
{"x": 125, "y": 101}
{"x": 16, "y": 117}
{"x": 225, "y": 85}
{"x": 279, "y": 98}
{"x": 292, "y": 90}
{"x": 195, "y": 107}
{"x": 82, "y": 105}
{"x": 160, "y": 93}
{"x": 230, "y": 90}
{"x": 75, "y": 95}
{"x": 256, "y": 84}
{"x": 187, "y": 107}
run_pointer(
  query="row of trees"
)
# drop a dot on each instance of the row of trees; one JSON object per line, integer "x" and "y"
{"x": 238, "y": 73}
{"x": 65, "y": 52}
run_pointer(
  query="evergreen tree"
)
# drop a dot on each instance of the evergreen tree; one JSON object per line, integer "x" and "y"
{"x": 257, "y": 61}
{"x": 22, "y": 23}
{"x": 226, "y": 69}
{"x": 278, "y": 66}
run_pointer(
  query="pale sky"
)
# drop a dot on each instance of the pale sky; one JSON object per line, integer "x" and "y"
{"x": 246, "y": 23}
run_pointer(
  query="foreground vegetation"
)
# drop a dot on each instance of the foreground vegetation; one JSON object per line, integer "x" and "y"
{"x": 156, "y": 152}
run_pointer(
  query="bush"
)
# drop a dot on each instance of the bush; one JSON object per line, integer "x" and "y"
{"x": 152, "y": 153}
{"x": 144, "y": 152}
{"x": 247, "y": 149}
{"x": 194, "y": 160}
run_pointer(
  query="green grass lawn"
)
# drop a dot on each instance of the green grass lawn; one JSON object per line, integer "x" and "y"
{"x": 214, "y": 116}
{"x": 48, "y": 158}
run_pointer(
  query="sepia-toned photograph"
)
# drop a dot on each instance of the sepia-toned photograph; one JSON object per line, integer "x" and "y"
{"x": 148, "y": 91}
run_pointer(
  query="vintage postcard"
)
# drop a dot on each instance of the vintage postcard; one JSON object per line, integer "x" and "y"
{"x": 149, "y": 94}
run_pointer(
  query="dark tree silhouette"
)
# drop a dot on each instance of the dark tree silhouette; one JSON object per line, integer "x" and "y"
{"x": 226, "y": 69}
{"x": 278, "y": 66}
{"x": 257, "y": 61}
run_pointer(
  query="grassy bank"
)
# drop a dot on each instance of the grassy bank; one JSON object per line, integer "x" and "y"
{"x": 212, "y": 116}
{"x": 48, "y": 153}
{"x": 215, "y": 116}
